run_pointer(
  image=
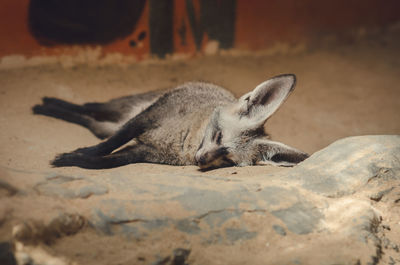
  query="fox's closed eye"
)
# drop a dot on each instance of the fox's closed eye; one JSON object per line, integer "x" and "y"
{"x": 219, "y": 137}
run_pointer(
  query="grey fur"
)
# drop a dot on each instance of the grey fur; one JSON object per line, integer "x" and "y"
{"x": 195, "y": 123}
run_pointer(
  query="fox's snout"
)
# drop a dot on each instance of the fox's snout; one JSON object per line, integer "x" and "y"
{"x": 200, "y": 160}
{"x": 203, "y": 159}
{"x": 216, "y": 157}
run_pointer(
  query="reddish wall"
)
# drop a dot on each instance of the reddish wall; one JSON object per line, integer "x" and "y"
{"x": 261, "y": 22}
{"x": 258, "y": 24}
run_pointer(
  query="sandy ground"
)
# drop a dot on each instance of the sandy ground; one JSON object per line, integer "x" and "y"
{"x": 342, "y": 90}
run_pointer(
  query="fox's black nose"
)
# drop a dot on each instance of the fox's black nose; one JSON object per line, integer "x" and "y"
{"x": 201, "y": 160}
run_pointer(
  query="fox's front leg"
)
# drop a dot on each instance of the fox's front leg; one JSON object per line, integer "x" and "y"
{"x": 133, "y": 154}
{"x": 132, "y": 129}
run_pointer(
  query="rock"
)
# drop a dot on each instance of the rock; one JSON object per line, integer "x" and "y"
{"x": 301, "y": 218}
{"x": 349, "y": 163}
{"x": 206, "y": 210}
{"x": 179, "y": 257}
{"x": 318, "y": 212}
{"x": 34, "y": 231}
{"x": 279, "y": 229}
{"x": 69, "y": 187}
{"x": 7, "y": 189}
{"x": 6, "y": 254}
{"x": 38, "y": 256}
{"x": 379, "y": 195}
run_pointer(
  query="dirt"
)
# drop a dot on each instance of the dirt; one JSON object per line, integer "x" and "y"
{"x": 342, "y": 90}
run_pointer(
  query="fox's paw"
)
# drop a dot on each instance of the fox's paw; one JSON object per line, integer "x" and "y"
{"x": 67, "y": 160}
{"x": 89, "y": 151}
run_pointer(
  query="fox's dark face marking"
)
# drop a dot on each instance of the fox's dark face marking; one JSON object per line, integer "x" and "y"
{"x": 211, "y": 152}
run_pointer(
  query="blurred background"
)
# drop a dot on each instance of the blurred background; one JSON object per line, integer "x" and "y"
{"x": 143, "y": 27}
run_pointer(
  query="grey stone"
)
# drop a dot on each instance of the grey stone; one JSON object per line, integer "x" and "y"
{"x": 379, "y": 195}
{"x": 202, "y": 201}
{"x": 156, "y": 224}
{"x": 69, "y": 187}
{"x": 216, "y": 219}
{"x": 279, "y": 229}
{"x": 180, "y": 256}
{"x": 8, "y": 189}
{"x": 300, "y": 218}
{"x": 349, "y": 163}
{"x": 34, "y": 231}
{"x": 235, "y": 234}
{"x": 304, "y": 202}
{"x": 188, "y": 226}
{"x": 6, "y": 254}
{"x": 215, "y": 206}
{"x": 275, "y": 195}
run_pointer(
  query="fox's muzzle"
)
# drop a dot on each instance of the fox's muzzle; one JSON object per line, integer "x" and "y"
{"x": 213, "y": 158}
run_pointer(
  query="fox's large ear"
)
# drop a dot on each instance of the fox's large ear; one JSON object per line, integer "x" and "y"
{"x": 259, "y": 104}
{"x": 276, "y": 153}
